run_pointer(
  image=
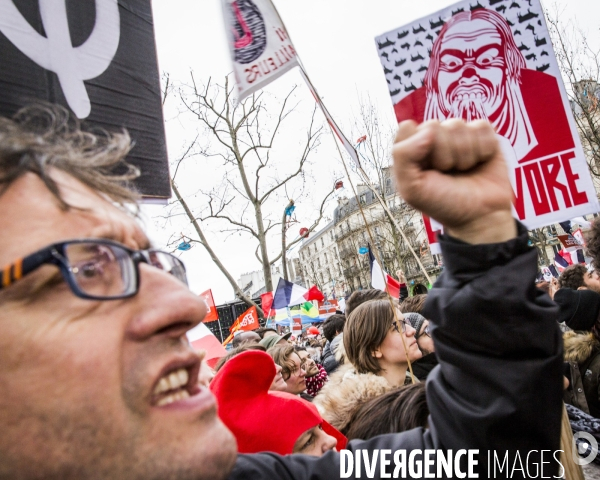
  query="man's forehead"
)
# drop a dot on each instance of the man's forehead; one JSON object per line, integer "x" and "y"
{"x": 471, "y": 34}
{"x": 31, "y": 217}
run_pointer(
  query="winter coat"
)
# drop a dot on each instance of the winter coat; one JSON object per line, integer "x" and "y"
{"x": 330, "y": 364}
{"x": 499, "y": 381}
{"x": 424, "y": 365}
{"x": 345, "y": 392}
{"x": 582, "y": 352}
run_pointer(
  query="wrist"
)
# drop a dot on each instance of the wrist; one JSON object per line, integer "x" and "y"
{"x": 496, "y": 227}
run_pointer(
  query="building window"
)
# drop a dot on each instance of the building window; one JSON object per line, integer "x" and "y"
{"x": 322, "y": 242}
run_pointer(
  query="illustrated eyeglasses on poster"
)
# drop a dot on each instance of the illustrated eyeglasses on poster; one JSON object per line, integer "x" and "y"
{"x": 493, "y": 59}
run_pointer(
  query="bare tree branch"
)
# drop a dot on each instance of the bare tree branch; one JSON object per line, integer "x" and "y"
{"x": 204, "y": 242}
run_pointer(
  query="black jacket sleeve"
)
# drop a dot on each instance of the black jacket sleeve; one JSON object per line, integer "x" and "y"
{"x": 498, "y": 387}
{"x": 403, "y": 292}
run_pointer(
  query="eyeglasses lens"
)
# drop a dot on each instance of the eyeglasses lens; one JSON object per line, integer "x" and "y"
{"x": 101, "y": 270}
{"x": 167, "y": 262}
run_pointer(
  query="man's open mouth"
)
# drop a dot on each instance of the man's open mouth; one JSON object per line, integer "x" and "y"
{"x": 175, "y": 385}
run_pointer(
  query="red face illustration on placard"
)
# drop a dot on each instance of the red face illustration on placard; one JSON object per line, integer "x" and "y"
{"x": 471, "y": 77}
{"x": 475, "y": 73}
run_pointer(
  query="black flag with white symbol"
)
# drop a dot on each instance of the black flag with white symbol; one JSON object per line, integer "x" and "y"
{"x": 98, "y": 59}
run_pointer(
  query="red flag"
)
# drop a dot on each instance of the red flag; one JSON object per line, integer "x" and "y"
{"x": 314, "y": 294}
{"x": 266, "y": 300}
{"x": 246, "y": 321}
{"x": 212, "y": 313}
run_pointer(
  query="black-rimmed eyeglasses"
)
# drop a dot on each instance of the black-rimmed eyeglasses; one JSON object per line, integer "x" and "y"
{"x": 425, "y": 331}
{"x": 403, "y": 324}
{"x": 95, "y": 269}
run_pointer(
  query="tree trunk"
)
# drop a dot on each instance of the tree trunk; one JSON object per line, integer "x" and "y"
{"x": 212, "y": 254}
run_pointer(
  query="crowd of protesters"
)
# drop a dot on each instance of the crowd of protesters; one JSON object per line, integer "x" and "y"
{"x": 99, "y": 381}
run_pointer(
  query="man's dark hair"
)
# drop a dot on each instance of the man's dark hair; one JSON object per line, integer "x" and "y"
{"x": 413, "y": 304}
{"x": 333, "y": 325}
{"x": 401, "y": 409}
{"x": 573, "y": 277}
{"x": 593, "y": 243}
{"x": 44, "y": 137}
{"x": 362, "y": 296}
{"x": 262, "y": 330}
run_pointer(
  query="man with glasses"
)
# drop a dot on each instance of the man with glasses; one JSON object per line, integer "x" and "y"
{"x": 99, "y": 381}
{"x": 424, "y": 365}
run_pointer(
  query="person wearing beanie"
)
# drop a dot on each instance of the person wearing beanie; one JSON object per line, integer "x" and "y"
{"x": 428, "y": 361}
{"x": 272, "y": 340}
{"x": 248, "y": 408}
{"x": 580, "y": 311}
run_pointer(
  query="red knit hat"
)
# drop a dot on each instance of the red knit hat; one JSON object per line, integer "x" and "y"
{"x": 260, "y": 420}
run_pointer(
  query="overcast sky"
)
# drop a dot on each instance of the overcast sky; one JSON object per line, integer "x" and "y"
{"x": 335, "y": 40}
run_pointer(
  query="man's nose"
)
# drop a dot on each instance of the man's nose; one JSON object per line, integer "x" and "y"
{"x": 164, "y": 306}
{"x": 469, "y": 77}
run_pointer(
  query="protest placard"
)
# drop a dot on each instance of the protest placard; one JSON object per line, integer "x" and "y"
{"x": 260, "y": 47}
{"x": 494, "y": 60}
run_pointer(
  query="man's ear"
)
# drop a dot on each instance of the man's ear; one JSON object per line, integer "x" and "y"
{"x": 376, "y": 353}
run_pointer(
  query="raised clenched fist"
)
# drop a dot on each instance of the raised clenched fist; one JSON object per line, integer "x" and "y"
{"x": 455, "y": 172}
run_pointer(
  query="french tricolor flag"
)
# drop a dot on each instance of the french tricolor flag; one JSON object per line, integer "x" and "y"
{"x": 201, "y": 338}
{"x": 380, "y": 279}
{"x": 565, "y": 257}
{"x": 289, "y": 294}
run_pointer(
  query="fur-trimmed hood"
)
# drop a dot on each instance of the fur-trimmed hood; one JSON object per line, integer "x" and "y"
{"x": 579, "y": 346}
{"x": 339, "y": 350}
{"x": 345, "y": 391}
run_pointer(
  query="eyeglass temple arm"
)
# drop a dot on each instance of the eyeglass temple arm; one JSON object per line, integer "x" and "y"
{"x": 23, "y": 266}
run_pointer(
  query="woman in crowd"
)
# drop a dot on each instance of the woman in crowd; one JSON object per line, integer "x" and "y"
{"x": 376, "y": 360}
{"x": 266, "y": 421}
{"x": 401, "y": 409}
{"x": 292, "y": 369}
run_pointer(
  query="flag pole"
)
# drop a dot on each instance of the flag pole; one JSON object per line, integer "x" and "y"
{"x": 268, "y": 315}
{"x": 220, "y": 330}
